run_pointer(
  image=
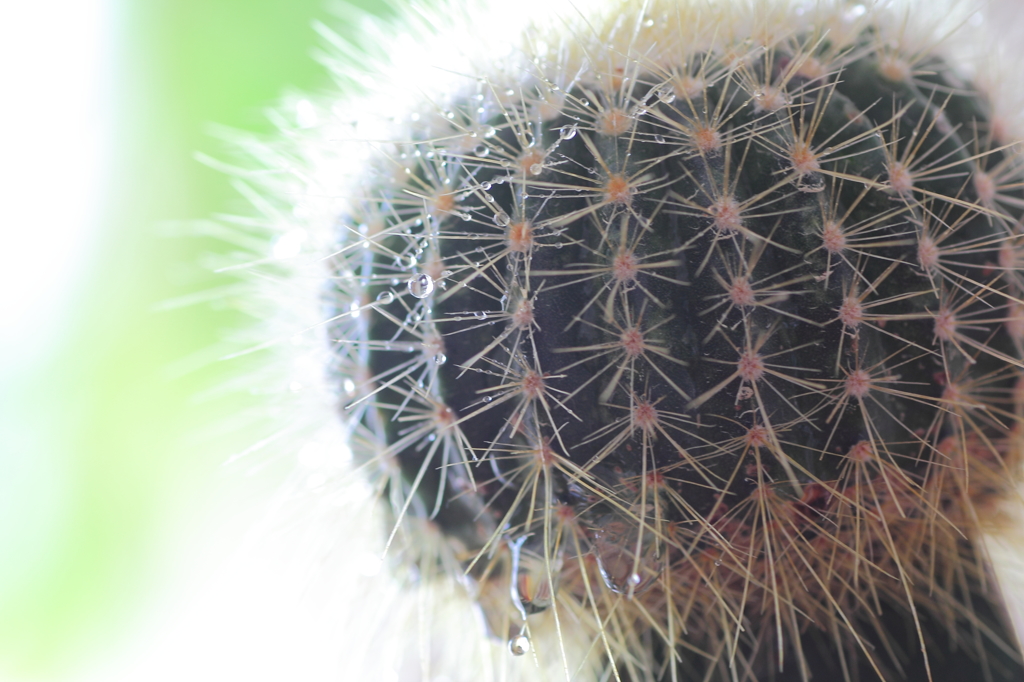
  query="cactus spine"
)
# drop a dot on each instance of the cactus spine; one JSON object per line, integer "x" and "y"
{"x": 701, "y": 334}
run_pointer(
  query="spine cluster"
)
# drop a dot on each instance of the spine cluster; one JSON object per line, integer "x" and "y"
{"x": 700, "y": 334}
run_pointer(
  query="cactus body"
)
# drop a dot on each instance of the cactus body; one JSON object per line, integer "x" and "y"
{"x": 703, "y": 339}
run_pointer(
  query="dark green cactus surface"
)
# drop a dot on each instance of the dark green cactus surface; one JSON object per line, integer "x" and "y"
{"x": 717, "y": 344}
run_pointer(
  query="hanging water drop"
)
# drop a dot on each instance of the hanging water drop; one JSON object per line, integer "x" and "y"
{"x": 482, "y": 150}
{"x": 440, "y": 359}
{"x": 660, "y": 139}
{"x": 421, "y": 285}
{"x": 501, "y": 219}
{"x": 385, "y": 297}
{"x": 519, "y": 645}
{"x": 567, "y": 132}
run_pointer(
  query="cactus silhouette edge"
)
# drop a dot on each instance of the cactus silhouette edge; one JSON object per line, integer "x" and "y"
{"x": 686, "y": 339}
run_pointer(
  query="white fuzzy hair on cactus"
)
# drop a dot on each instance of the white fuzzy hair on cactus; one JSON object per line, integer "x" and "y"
{"x": 381, "y": 205}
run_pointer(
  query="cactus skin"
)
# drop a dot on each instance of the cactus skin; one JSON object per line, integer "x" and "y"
{"x": 717, "y": 341}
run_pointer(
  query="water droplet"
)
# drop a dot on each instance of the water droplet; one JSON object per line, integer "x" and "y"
{"x": 489, "y": 132}
{"x": 480, "y": 315}
{"x": 584, "y": 102}
{"x": 482, "y": 150}
{"x": 534, "y": 579}
{"x": 488, "y": 398}
{"x": 349, "y": 386}
{"x": 506, "y": 163}
{"x": 666, "y": 95}
{"x": 615, "y": 544}
{"x": 519, "y": 645}
{"x": 660, "y": 139}
{"x": 567, "y": 132}
{"x": 421, "y": 285}
{"x": 385, "y": 297}
{"x": 485, "y": 186}
{"x": 440, "y": 359}
{"x": 718, "y": 562}
{"x": 501, "y": 219}
{"x": 536, "y": 169}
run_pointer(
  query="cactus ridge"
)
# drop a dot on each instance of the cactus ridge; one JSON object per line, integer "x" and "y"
{"x": 712, "y": 349}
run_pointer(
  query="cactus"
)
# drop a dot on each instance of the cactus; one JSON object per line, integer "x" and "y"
{"x": 698, "y": 332}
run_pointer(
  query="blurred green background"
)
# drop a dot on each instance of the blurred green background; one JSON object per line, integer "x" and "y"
{"x": 113, "y": 462}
